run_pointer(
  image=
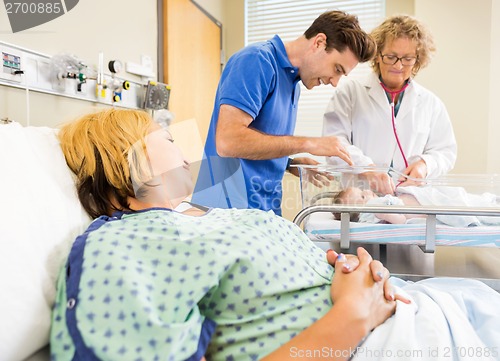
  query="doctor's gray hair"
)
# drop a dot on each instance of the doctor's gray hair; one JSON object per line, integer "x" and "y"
{"x": 404, "y": 26}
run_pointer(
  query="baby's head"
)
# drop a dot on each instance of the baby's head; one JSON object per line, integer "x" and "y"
{"x": 353, "y": 196}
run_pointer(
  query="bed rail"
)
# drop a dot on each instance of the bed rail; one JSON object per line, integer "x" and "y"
{"x": 430, "y": 229}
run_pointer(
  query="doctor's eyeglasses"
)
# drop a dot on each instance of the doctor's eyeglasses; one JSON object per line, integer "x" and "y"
{"x": 393, "y": 59}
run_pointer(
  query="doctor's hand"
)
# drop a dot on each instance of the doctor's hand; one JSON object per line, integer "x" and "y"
{"x": 379, "y": 182}
{"x": 416, "y": 170}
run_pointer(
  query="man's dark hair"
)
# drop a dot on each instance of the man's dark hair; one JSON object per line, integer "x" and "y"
{"x": 343, "y": 32}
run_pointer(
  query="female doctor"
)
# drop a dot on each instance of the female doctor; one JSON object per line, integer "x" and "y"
{"x": 387, "y": 119}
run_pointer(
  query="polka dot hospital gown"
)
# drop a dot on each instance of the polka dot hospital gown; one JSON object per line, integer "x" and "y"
{"x": 161, "y": 285}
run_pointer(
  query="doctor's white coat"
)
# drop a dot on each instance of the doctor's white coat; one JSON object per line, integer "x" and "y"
{"x": 360, "y": 114}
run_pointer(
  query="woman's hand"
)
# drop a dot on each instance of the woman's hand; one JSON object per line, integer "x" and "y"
{"x": 364, "y": 295}
{"x": 349, "y": 263}
{"x": 358, "y": 307}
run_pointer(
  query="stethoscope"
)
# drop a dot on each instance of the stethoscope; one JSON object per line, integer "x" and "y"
{"x": 393, "y": 94}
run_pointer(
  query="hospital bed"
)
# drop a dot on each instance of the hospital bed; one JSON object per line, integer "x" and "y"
{"x": 40, "y": 216}
{"x": 421, "y": 248}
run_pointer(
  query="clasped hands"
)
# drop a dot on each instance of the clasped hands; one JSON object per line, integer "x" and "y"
{"x": 364, "y": 284}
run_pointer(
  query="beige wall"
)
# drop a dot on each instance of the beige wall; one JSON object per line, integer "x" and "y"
{"x": 400, "y": 7}
{"x": 464, "y": 73}
{"x": 461, "y": 74}
{"x": 493, "y": 150}
{"x": 111, "y": 26}
{"x": 234, "y": 26}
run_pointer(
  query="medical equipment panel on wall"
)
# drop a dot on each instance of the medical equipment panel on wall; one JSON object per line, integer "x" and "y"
{"x": 65, "y": 75}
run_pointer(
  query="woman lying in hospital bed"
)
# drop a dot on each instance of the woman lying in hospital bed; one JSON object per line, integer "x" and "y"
{"x": 419, "y": 196}
{"x": 148, "y": 282}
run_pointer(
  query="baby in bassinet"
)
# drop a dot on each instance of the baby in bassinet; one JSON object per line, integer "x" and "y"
{"x": 419, "y": 196}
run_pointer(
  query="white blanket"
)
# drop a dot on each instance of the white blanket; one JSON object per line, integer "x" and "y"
{"x": 454, "y": 196}
{"x": 448, "y": 319}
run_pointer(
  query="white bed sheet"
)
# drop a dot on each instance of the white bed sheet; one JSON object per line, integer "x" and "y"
{"x": 448, "y": 319}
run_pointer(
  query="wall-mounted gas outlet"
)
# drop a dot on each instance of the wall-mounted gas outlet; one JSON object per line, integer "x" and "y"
{"x": 12, "y": 66}
{"x": 33, "y": 71}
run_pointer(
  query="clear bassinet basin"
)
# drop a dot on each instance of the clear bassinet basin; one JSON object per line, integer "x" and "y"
{"x": 469, "y": 251}
{"x": 320, "y": 184}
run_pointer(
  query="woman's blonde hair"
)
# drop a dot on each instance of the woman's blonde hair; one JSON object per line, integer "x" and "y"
{"x": 96, "y": 147}
{"x": 404, "y": 26}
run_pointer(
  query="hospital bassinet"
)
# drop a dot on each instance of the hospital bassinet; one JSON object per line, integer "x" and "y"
{"x": 475, "y": 252}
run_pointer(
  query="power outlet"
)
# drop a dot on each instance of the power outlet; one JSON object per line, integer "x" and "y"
{"x": 147, "y": 61}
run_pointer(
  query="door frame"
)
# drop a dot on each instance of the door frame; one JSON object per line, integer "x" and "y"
{"x": 161, "y": 32}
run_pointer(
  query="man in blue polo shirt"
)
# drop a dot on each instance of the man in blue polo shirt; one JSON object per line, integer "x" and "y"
{"x": 251, "y": 137}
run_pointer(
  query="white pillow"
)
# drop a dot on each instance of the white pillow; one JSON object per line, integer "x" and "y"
{"x": 40, "y": 216}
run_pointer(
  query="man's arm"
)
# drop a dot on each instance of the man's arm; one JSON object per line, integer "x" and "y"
{"x": 235, "y": 138}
